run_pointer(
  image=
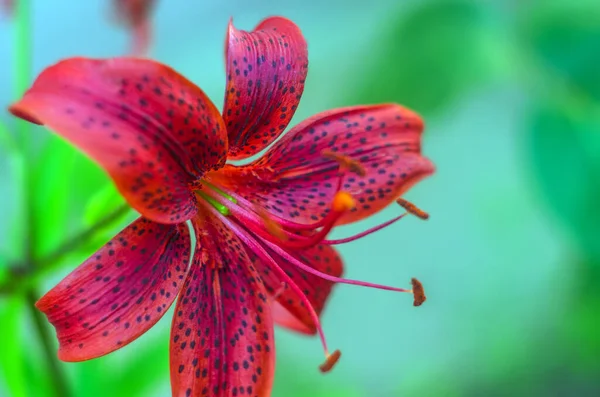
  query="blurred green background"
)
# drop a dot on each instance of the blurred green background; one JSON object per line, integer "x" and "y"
{"x": 510, "y": 91}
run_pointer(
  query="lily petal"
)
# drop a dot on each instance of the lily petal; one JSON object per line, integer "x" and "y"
{"x": 222, "y": 341}
{"x": 266, "y": 70}
{"x": 295, "y": 181}
{"x": 287, "y": 308}
{"x": 120, "y": 291}
{"x": 152, "y": 130}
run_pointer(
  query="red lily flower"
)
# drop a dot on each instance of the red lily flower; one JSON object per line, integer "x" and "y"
{"x": 261, "y": 253}
{"x": 136, "y": 15}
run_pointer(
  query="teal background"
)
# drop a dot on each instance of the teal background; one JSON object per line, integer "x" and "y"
{"x": 510, "y": 91}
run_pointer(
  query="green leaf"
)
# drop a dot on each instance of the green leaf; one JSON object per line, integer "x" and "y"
{"x": 50, "y": 187}
{"x": 565, "y": 146}
{"x": 7, "y": 141}
{"x": 429, "y": 56}
{"x": 106, "y": 200}
{"x": 63, "y": 180}
{"x": 134, "y": 373}
{"x": 11, "y": 358}
{"x": 565, "y": 35}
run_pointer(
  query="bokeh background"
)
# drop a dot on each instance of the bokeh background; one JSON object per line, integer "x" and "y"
{"x": 510, "y": 91}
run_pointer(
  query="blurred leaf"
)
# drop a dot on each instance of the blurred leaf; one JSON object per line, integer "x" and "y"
{"x": 583, "y": 338}
{"x": 106, "y": 200}
{"x": 50, "y": 186}
{"x": 565, "y": 145}
{"x": 152, "y": 361}
{"x": 7, "y": 141}
{"x": 11, "y": 358}
{"x": 138, "y": 375}
{"x": 39, "y": 380}
{"x": 63, "y": 180}
{"x": 565, "y": 35}
{"x": 430, "y": 56}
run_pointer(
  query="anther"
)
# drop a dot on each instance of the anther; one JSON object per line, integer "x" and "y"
{"x": 412, "y": 209}
{"x": 343, "y": 201}
{"x": 418, "y": 292}
{"x": 330, "y": 361}
{"x": 345, "y": 162}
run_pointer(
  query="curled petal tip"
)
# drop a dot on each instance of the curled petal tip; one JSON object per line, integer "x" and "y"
{"x": 418, "y": 292}
{"x": 230, "y": 26}
{"x": 16, "y": 109}
{"x": 330, "y": 361}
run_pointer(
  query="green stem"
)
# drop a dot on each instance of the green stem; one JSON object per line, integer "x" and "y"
{"x": 7, "y": 142}
{"x": 59, "y": 381}
{"x": 22, "y": 60}
{"x": 22, "y": 74}
{"x": 25, "y": 278}
{"x": 74, "y": 242}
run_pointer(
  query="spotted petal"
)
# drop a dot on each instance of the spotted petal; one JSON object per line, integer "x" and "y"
{"x": 222, "y": 332}
{"x": 266, "y": 70}
{"x": 152, "y": 130}
{"x": 296, "y": 182}
{"x": 120, "y": 291}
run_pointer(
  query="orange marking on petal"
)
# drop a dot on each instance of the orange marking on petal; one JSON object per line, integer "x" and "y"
{"x": 418, "y": 292}
{"x": 330, "y": 361}
{"x": 412, "y": 209}
{"x": 345, "y": 162}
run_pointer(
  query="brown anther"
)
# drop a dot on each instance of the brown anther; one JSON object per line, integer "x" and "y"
{"x": 345, "y": 162}
{"x": 418, "y": 292}
{"x": 412, "y": 209}
{"x": 272, "y": 226}
{"x": 330, "y": 361}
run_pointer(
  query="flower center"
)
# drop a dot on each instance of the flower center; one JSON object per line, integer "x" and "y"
{"x": 266, "y": 234}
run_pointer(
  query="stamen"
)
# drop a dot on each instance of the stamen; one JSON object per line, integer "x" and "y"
{"x": 418, "y": 292}
{"x": 285, "y": 255}
{"x": 342, "y": 202}
{"x": 261, "y": 252}
{"x": 412, "y": 209}
{"x": 221, "y": 192}
{"x": 218, "y": 206}
{"x": 365, "y": 233}
{"x": 345, "y": 162}
{"x": 330, "y": 361}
